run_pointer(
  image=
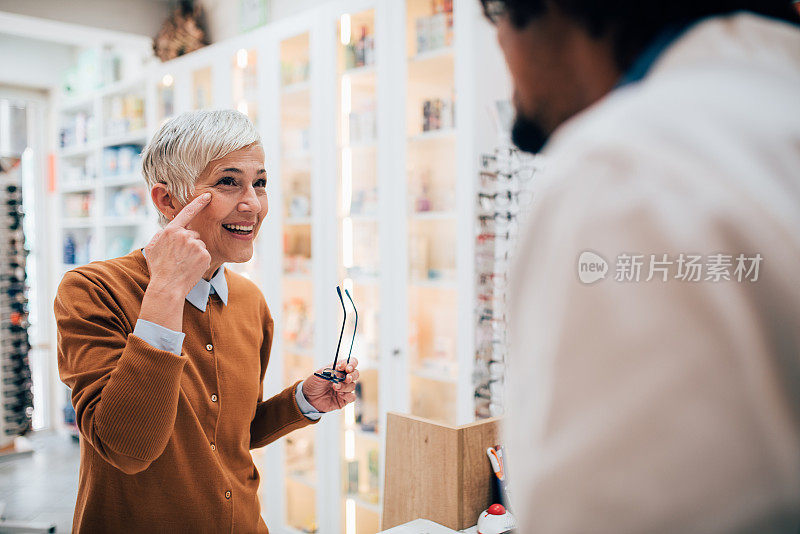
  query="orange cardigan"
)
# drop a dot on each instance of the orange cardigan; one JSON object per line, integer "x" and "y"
{"x": 166, "y": 439}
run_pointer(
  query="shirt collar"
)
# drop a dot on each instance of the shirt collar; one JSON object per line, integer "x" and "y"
{"x": 645, "y": 61}
{"x": 198, "y": 296}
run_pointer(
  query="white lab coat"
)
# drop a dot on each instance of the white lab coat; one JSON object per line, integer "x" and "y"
{"x": 666, "y": 407}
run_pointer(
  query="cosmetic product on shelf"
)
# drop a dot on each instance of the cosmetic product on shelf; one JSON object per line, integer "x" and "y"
{"x": 125, "y": 114}
{"x": 69, "y": 249}
{"x": 361, "y": 52}
{"x": 437, "y": 114}
{"x": 126, "y": 201}
{"x": 78, "y": 205}
{"x": 121, "y": 160}
{"x": 77, "y": 130}
{"x": 293, "y": 72}
{"x": 435, "y": 31}
{"x": 362, "y": 124}
{"x": 76, "y": 248}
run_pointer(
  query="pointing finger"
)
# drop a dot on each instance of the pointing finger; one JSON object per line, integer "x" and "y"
{"x": 185, "y": 216}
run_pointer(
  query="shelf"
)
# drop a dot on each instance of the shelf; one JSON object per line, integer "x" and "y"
{"x": 79, "y": 150}
{"x": 122, "y": 180}
{"x": 363, "y": 434}
{"x": 361, "y": 217}
{"x": 137, "y": 137}
{"x": 362, "y": 145}
{"x": 77, "y": 222}
{"x": 360, "y": 71}
{"x": 73, "y": 104}
{"x": 294, "y": 88}
{"x": 434, "y": 283}
{"x": 375, "y": 508}
{"x": 302, "y": 479}
{"x": 298, "y": 350}
{"x": 297, "y": 221}
{"x": 78, "y": 188}
{"x": 128, "y": 220}
{"x": 431, "y": 375}
{"x": 86, "y": 101}
{"x": 433, "y": 135}
{"x": 365, "y": 279}
{"x": 433, "y": 215}
{"x": 297, "y": 276}
{"x": 438, "y": 53}
{"x": 301, "y": 155}
{"x": 135, "y": 85}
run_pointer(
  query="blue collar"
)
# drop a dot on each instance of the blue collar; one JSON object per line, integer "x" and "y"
{"x": 644, "y": 62}
{"x": 198, "y": 296}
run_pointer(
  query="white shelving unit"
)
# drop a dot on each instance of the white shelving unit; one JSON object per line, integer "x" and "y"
{"x": 104, "y": 210}
{"x": 344, "y": 208}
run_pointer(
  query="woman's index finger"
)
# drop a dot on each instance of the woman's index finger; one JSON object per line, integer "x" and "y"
{"x": 185, "y": 216}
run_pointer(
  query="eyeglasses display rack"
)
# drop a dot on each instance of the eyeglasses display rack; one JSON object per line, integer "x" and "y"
{"x": 503, "y": 195}
{"x": 16, "y": 397}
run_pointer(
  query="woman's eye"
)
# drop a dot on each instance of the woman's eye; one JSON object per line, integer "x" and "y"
{"x": 227, "y": 180}
{"x": 260, "y": 183}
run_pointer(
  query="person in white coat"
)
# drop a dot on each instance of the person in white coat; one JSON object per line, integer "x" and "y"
{"x": 654, "y": 376}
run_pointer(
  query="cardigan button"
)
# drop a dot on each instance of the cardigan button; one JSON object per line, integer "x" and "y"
{"x": 213, "y": 447}
{"x": 213, "y": 398}
{"x": 209, "y": 347}
{"x": 228, "y": 494}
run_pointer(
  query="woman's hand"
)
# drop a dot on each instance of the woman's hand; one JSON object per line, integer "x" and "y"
{"x": 327, "y": 396}
{"x": 177, "y": 259}
{"x": 176, "y": 256}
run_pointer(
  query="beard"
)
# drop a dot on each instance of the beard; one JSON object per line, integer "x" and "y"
{"x": 528, "y": 134}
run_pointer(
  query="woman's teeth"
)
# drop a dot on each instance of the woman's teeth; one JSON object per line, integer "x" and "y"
{"x": 238, "y": 229}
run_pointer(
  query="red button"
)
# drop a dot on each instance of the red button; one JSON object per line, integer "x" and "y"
{"x": 496, "y": 509}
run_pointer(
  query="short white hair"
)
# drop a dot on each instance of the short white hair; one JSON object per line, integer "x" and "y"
{"x": 184, "y": 145}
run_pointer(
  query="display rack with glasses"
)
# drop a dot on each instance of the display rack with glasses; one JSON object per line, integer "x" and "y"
{"x": 16, "y": 397}
{"x": 504, "y": 194}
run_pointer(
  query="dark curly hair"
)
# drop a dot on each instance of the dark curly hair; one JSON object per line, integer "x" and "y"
{"x": 633, "y": 24}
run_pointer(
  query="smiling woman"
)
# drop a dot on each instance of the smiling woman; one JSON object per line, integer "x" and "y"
{"x": 165, "y": 350}
{"x": 229, "y": 224}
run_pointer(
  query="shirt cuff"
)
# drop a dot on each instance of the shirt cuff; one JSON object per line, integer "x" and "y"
{"x": 305, "y": 407}
{"x": 158, "y": 336}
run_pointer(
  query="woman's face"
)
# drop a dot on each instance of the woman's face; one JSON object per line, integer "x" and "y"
{"x": 228, "y": 225}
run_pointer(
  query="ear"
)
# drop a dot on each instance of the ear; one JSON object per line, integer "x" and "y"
{"x": 164, "y": 201}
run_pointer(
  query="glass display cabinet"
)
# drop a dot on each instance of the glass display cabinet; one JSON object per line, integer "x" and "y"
{"x": 245, "y": 83}
{"x": 358, "y": 263}
{"x": 202, "y": 88}
{"x": 297, "y": 334}
{"x": 432, "y": 219}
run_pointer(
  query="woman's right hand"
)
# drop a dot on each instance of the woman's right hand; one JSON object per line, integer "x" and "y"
{"x": 176, "y": 256}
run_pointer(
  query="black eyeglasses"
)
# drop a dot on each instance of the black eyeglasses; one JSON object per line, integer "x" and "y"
{"x": 331, "y": 373}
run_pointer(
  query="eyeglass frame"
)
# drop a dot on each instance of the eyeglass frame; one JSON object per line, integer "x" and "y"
{"x": 329, "y": 373}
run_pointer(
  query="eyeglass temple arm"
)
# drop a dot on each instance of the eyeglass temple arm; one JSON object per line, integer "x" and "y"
{"x": 344, "y": 320}
{"x": 355, "y": 326}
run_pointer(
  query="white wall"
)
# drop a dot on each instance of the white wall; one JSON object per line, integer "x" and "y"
{"x": 33, "y": 63}
{"x": 143, "y": 17}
